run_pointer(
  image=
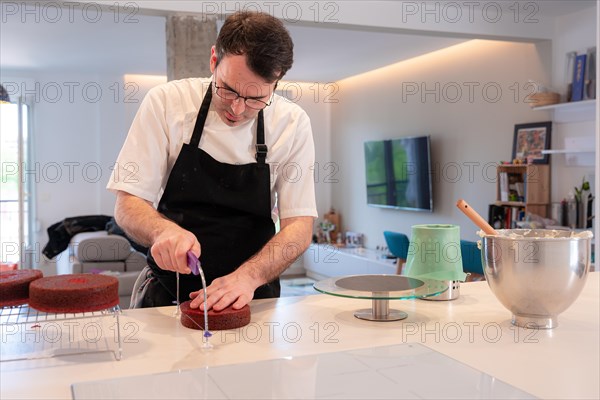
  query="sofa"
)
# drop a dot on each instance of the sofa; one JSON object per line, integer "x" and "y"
{"x": 105, "y": 253}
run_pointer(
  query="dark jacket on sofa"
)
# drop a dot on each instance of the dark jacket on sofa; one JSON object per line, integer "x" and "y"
{"x": 60, "y": 233}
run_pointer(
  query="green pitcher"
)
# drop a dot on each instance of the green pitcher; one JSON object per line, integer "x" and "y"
{"x": 434, "y": 253}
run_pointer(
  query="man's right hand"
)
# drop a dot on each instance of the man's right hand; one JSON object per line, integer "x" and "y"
{"x": 168, "y": 242}
{"x": 170, "y": 249}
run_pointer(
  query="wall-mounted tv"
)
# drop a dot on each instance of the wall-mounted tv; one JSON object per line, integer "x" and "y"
{"x": 398, "y": 173}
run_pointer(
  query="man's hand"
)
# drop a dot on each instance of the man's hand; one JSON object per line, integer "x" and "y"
{"x": 170, "y": 249}
{"x": 237, "y": 288}
{"x": 168, "y": 242}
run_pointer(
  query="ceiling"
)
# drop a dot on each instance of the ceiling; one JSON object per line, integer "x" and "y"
{"x": 328, "y": 55}
{"x": 70, "y": 43}
{"x": 73, "y": 44}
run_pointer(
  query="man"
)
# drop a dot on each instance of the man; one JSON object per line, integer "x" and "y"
{"x": 215, "y": 156}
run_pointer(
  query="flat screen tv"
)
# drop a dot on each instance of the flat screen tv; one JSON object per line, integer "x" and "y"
{"x": 398, "y": 173}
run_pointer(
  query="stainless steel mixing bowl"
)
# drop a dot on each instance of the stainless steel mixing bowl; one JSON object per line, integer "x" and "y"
{"x": 536, "y": 273}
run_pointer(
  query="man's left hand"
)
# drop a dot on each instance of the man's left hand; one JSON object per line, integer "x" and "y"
{"x": 236, "y": 289}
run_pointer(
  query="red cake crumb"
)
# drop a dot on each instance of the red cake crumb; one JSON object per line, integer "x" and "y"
{"x": 74, "y": 293}
{"x": 14, "y": 286}
{"x": 217, "y": 320}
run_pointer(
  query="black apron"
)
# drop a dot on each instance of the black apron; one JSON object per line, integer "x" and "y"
{"x": 227, "y": 207}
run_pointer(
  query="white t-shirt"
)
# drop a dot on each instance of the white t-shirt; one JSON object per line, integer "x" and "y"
{"x": 166, "y": 119}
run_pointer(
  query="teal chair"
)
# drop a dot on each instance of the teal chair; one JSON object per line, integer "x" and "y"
{"x": 398, "y": 245}
{"x": 471, "y": 257}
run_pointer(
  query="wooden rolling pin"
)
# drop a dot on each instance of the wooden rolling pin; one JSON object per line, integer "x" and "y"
{"x": 476, "y": 218}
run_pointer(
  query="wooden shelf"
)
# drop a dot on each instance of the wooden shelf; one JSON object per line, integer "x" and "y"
{"x": 510, "y": 203}
{"x": 532, "y": 181}
{"x": 510, "y": 166}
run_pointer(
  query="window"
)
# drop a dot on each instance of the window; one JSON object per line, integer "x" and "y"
{"x": 15, "y": 192}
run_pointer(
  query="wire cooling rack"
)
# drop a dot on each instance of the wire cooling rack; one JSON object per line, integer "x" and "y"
{"x": 26, "y": 333}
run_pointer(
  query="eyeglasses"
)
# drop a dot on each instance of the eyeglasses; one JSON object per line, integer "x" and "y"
{"x": 228, "y": 94}
{"x": 250, "y": 102}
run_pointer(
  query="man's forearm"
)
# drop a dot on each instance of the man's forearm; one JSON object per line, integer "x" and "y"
{"x": 279, "y": 252}
{"x": 139, "y": 219}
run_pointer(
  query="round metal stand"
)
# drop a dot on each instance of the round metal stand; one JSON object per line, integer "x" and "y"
{"x": 380, "y": 311}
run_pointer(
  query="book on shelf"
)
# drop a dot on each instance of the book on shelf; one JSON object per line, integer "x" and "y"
{"x": 589, "y": 91}
{"x": 517, "y": 215}
{"x": 520, "y": 189}
{"x": 578, "y": 78}
{"x": 505, "y": 217}
{"x": 504, "y": 190}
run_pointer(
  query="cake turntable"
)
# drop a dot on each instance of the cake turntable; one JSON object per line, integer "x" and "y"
{"x": 380, "y": 289}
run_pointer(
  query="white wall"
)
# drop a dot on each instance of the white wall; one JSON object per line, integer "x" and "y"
{"x": 469, "y": 135}
{"x": 116, "y": 117}
{"x": 316, "y": 99}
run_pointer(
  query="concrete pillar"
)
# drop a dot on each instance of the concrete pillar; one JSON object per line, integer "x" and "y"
{"x": 189, "y": 39}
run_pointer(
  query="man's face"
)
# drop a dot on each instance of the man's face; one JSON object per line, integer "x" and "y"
{"x": 233, "y": 74}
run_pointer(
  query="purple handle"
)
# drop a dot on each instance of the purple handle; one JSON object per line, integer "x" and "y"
{"x": 193, "y": 263}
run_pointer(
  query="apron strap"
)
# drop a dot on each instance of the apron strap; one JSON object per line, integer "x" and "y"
{"x": 201, "y": 119}
{"x": 140, "y": 287}
{"x": 261, "y": 147}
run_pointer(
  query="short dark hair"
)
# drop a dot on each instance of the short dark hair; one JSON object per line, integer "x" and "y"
{"x": 262, "y": 38}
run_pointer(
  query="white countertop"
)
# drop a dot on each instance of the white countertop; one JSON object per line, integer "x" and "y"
{"x": 474, "y": 329}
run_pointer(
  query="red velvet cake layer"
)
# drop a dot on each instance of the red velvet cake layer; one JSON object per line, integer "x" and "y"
{"x": 217, "y": 320}
{"x": 74, "y": 293}
{"x": 14, "y": 286}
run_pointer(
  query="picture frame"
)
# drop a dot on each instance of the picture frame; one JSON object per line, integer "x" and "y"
{"x": 354, "y": 239}
{"x": 529, "y": 141}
